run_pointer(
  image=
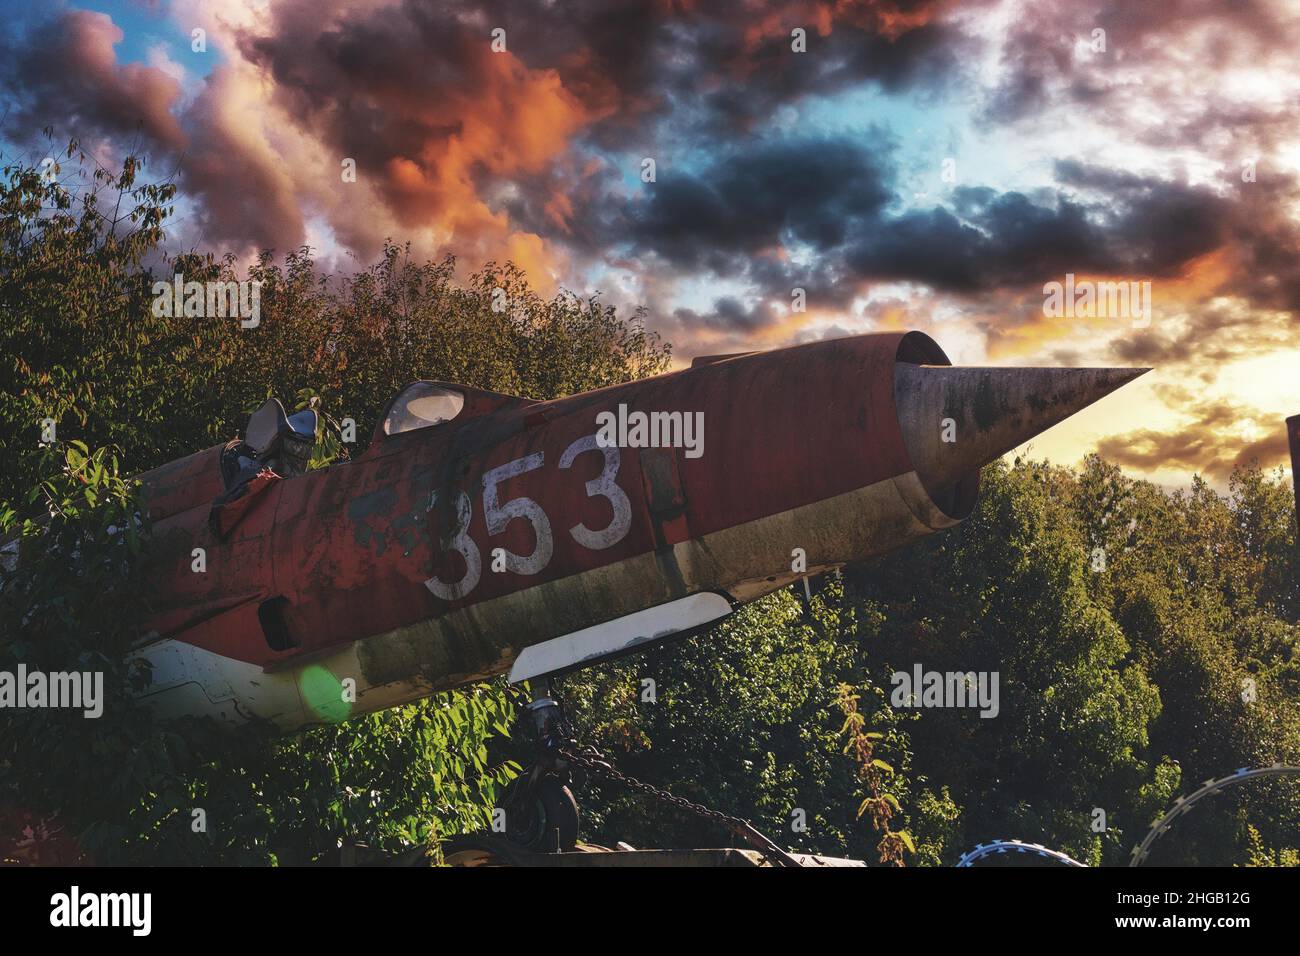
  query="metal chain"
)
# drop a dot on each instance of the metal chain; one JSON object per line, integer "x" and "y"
{"x": 591, "y": 760}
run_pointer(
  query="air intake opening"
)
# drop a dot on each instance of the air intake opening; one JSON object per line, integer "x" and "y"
{"x": 271, "y": 615}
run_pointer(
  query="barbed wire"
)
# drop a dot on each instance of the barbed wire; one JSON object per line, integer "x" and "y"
{"x": 1139, "y": 854}
{"x": 1018, "y": 846}
{"x": 1183, "y": 804}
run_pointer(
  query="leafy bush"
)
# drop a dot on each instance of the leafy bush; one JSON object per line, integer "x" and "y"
{"x": 94, "y": 367}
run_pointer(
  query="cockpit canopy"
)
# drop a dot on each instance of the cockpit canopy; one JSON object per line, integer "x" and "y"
{"x": 424, "y": 404}
{"x": 421, "y": 405}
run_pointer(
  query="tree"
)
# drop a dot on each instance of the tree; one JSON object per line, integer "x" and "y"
{"x": 1144, "y": 639}
{"x": 95, "y": 360}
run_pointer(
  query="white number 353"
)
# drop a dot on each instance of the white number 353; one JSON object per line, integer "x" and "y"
{"x": 498, "y": 514}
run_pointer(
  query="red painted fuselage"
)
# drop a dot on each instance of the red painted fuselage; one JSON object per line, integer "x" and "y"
{"x": 441, "y": 554}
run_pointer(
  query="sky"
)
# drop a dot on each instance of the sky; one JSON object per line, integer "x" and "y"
{"x": 819, "y": 169}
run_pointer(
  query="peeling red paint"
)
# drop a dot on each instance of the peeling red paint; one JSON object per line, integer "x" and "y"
{"x": 351, "y": 547}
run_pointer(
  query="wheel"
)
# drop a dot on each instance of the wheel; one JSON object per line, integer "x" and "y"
{"x": 534, "y": 818}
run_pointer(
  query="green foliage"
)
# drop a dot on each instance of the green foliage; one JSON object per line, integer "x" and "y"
{"x": 878, "y": 805}
{"x": 747, "y": 720}
{"x": 124, "y": 786}
{"x": 80, "y": 340}
{"x": 1118, "y": 687}
{"x": 78, "y": 258}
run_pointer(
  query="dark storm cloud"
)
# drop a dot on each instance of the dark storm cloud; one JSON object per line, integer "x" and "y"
{"x": 764, "y": 74}
{"x": 807, "y": 192}
{"x": 834, "y": 197}
{"x": 834, "y": 200}
{"x": 1252, "y": 229}
{"x": 1138, "y": 227}
{"x": 1160, "y": 225}
{"x": 1000, "y": 239}
{"x": 366, "y": 79}
{"x": 438, "y": 124}
{"x": 729, "y": 314}
{"x": 1267, "y": 239}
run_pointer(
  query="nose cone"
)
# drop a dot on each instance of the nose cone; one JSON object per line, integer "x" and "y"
{"x": 992, "y": 410}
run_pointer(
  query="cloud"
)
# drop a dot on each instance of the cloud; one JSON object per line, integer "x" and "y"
{"x": 729, "y": 314}
{"x": 447, "y": 133}
{"x": 533, "y": 153}
{"x": 1210, "y": 442}
{"x": 772, "y": 174}
{"x": 805, "y": 192}
{"x": 749, "y": 72}
{"x": 66, "y": 71}
{"x": 1046, "y": 63}
{"x": 1208, "y": 338}
{"x": 246, "y": 191}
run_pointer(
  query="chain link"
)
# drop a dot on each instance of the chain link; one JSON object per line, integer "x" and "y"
{"x": 593, "y": 762}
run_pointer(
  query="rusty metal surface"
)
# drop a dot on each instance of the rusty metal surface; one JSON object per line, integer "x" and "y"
{"x": 350, "y": 548}
{"x": 987, "y": 413}
{"x": 183, "y": 484}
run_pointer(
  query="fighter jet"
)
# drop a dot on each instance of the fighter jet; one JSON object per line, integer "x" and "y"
{"x": 482, "y": 534}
